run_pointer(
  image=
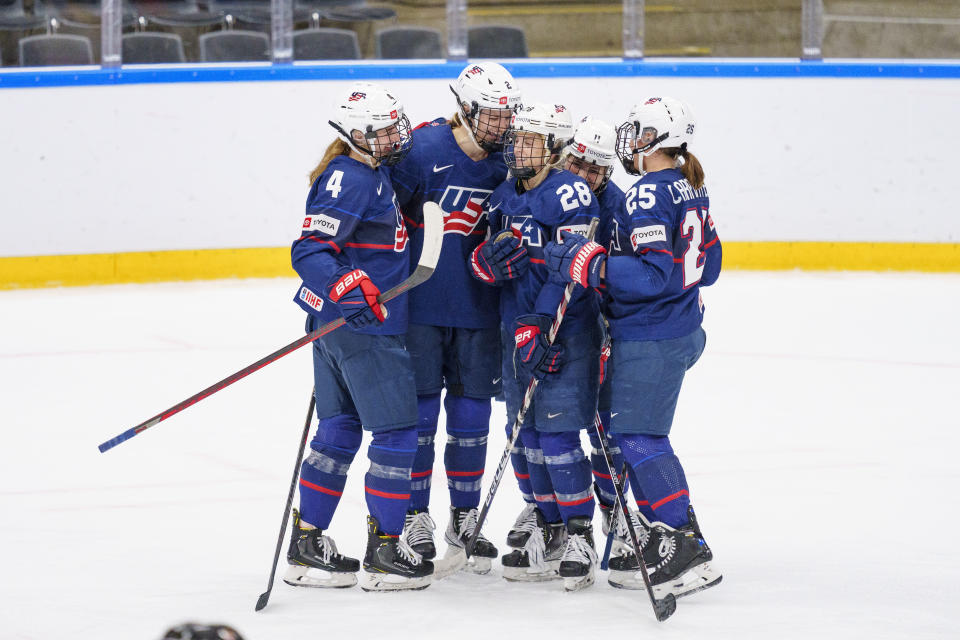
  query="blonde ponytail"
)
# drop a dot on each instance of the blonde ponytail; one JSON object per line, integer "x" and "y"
{"x": 690, "y": 168}
{"x": 337, "y": 148}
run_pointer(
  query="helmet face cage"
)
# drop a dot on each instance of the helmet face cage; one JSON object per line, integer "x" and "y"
{"x": 488, "y": 126}
{"x": 526, "y": 153}
{"x": 634, "y": 139}
{"x": 487, "y": 97}
{"x": 390, "y": 144}
{"x": 596, "y": 175}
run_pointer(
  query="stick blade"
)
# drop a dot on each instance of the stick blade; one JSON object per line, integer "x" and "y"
{"x": 432, "y": 234}
{"x": 262, "y": 600}
{"x": 665, "y": 607}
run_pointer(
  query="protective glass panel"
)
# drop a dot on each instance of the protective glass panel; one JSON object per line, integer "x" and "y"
{"x": 918, "y": 29}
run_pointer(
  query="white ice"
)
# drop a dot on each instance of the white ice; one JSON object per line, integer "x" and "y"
{"x": 819, "y": 432}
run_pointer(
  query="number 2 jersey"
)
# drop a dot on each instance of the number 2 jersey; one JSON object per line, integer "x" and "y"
{"x": 664, "y": 247}
{"x": 352, "y": 221}
{"x": 437, "y": 170}
{"x": 562, "y": 202}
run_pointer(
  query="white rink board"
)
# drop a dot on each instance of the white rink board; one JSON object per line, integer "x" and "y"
{"x": 224, "y": 165}
{"x": 820, "y": 450}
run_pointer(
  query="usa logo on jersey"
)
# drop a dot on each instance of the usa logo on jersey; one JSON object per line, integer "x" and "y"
{"x": 529, "y": 230}
{"x": 463, "y": 209}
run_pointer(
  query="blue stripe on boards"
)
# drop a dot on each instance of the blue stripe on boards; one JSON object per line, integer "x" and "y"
{"x": 533, "y": 68}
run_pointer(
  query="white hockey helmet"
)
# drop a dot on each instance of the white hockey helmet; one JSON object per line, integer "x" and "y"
{"x": 594, "y": 146}
{"x": 659, "y": 122}
{"x": 551, "y": 122}
{"x": 378, "y": 115}
{"x": 486, "y": 96}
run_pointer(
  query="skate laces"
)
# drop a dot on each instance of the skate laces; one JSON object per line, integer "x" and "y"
{"x": 468, "y": 524}
{"x": 407, "y": 553}
{"x": 327, "y": 548}
{"x": 579, "y": 550}
{"x": 419, "y": 528}
{"x": 526, "y": 517}
{"x": 535, "y": 546}
{"x": 623, "y": 533}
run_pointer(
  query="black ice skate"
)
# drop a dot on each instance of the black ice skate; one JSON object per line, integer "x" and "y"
{"x": 517, "y": 536}
{"x": 621, "y": 536}
{"x": 578, "y": 565}
{"x": 314, "y": 560}
{"x": 463, "y": 522}
{"x": 390, "y": 564}
{"x": 539, "y": 559}
{"x": 678, "y": 561}
{"x": 418, "y": 532}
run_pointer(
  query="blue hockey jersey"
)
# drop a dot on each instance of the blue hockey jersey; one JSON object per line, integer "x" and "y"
{"x": 352, "y": 220}
{"x": 664, "y": 248}
{"x": 562, "y": 202}
{"x": 437, "y": 170}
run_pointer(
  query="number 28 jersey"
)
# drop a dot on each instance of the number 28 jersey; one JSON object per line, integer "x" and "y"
{"x": 663, "y": 248}
{"x": 562, "y": 202}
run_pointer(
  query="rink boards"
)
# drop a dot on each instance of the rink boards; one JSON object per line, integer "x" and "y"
{"x": 197, "y": 172}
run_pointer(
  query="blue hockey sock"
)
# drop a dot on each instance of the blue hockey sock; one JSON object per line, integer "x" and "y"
{"x": 387, "y": 483}
{"x": 569, "y": 472}
{"x": 657, "y": 477}
{"x": 540, "y": 481}
{"x": 601, "y": 475}
{"x": 324, "y": 472}
{"x": 519, "y": 460}
{"x": 468, "y": 424}
{"x": 428, "y": 411}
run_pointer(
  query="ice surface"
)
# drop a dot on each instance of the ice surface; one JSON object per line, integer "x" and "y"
{"x": 819, "y": 432}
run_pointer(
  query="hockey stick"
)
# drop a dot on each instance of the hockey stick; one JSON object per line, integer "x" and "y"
{"x": 265, "y": 596}
{"x": 666, "y": 606}
{"x": 432, "y": 243}
{"x": 608, "y": 547}
{"x": 527, "y": 398}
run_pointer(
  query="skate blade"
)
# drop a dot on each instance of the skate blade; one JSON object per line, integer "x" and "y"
{"x": 703, "y": 576}
{"x": 452, "y": 561}
{"x": 477, "y": 565}
{"x": 299, "y": 576}
{"x": 390, "y": 582}
{"x": 525, "y": 574}
{"x": 579, "y": 583}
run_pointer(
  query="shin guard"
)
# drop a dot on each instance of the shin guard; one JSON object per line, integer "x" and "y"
{"x": 387, "y": 483}
{"x": 323, "y": 473}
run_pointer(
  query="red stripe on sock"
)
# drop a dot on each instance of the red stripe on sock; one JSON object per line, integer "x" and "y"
{"x": 574, "y": 502}
{"x": 384, "y": 494}
{"x": 421, "y": 474}
{"x": 316, "y": 487}
{"x": 601, "y": 475}
{"x": 465, "y": 473}
{"x": 642, "y": 503}
{"x": 522, "y": 476}
{"x": 660, "y": 503}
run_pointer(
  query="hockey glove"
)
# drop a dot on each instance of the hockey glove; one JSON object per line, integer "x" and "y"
{"x": 499, "y": 259}
{"x": 356, "y": 296}
{"x": 576, "y": 260}
{"x": 533, "y": 355}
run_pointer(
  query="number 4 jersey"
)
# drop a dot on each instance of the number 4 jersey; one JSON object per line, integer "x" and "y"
{"x": 664, "y": 247}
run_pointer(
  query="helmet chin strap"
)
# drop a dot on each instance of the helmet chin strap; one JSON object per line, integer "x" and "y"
{"x": 366, "y": 154}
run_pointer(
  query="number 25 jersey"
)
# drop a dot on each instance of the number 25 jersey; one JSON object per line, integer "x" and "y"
{"x": 664, "y": 247}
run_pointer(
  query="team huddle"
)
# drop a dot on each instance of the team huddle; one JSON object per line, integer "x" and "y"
{"x": 534, "y": 233}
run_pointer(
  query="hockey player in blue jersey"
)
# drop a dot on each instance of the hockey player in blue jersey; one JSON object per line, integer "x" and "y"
{"x": 537, "y": 203}
{"x": 664, "y": 249}
{"x": 591, "y": 155}
{"x": 454, "y": 318}
{"x": 352, "y": 245}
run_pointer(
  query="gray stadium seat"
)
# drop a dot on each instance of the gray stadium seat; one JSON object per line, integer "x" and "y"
{"x": 490, "y": 41}
{"x": 151, "y": 48}
{"x": 55, "y": 50}
{"x": 234, "y": 46}
{"x": 409, "y": 42}
{"x": 325, "y": 44}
